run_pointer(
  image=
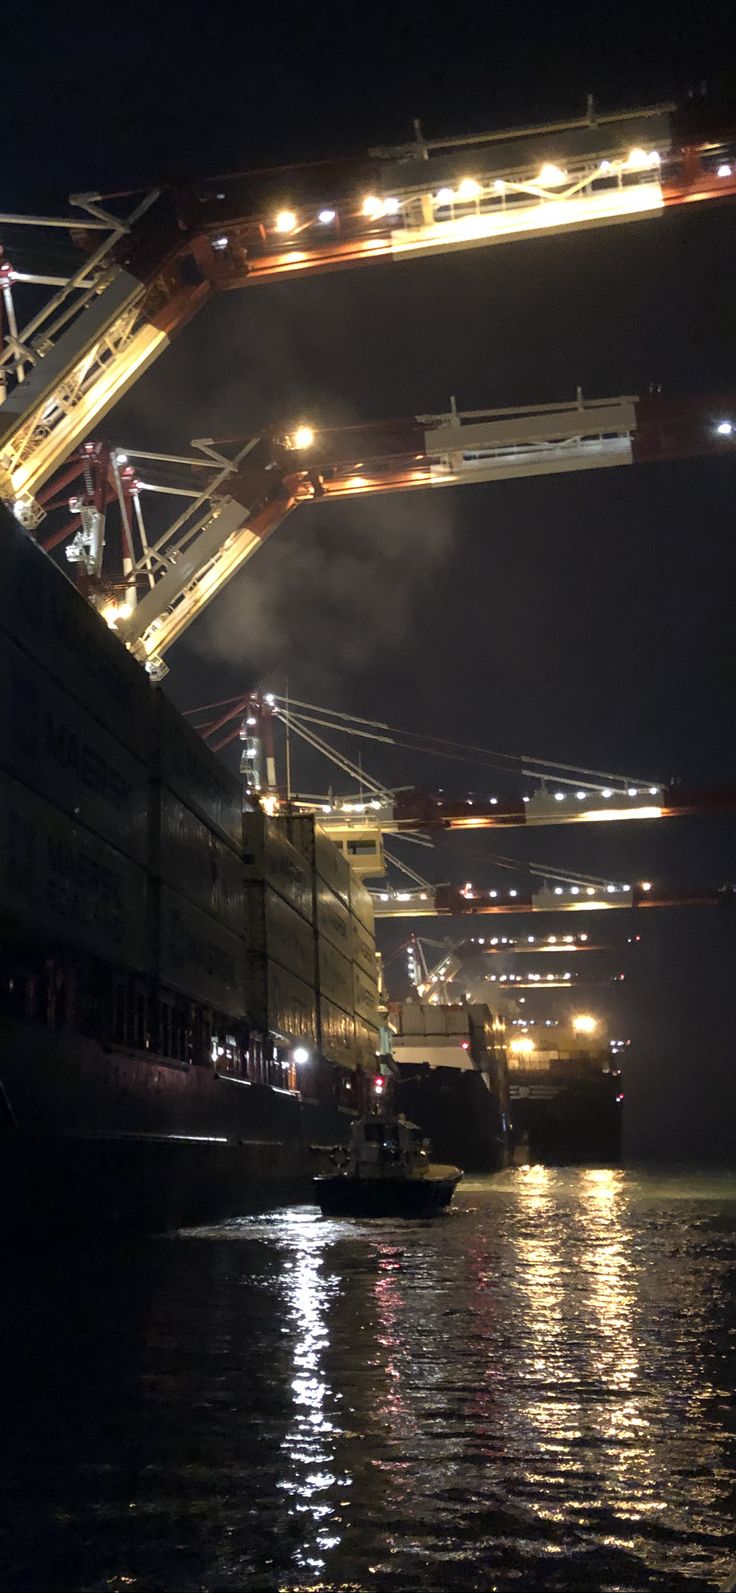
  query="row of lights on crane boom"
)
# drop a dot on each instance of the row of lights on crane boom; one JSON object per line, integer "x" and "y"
{"x": 375, "y": 208}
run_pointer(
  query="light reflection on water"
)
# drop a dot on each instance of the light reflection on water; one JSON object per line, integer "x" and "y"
{"x": 536, "y": 1391}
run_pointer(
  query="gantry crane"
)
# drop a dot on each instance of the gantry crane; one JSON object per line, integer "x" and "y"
{"x": 238, "y": 493}
{"x": 142, "y": 264}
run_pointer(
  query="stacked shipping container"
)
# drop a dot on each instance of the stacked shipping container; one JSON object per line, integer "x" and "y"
{"x": 345, "y": 976}
{"x": 122, "y": 840}
{"x": 74, "y": 787}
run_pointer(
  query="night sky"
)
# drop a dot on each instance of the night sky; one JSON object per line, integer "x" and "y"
{"x": 587, "y": 618}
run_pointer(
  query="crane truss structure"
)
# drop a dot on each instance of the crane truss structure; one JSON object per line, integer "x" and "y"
{"x": 237, "y": 493}
{"x": 142, "y": 264}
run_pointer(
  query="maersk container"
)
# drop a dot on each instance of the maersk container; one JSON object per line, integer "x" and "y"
{"x": 362, "y": 947}
{"x": 273, "y": 928}
{"x": 188, "y": 856}
{"x": 45, "y": 614}
{"x": 365, "y": 996}
{"x": 278, "y": 1001}
{"x": 270, "y": 858}
{"x": 196, "y": 955}
{"x": 321, "y": 854}
{"x": 335, "y": 975}
{"x": 361, "y": 904}
{"x": 47, "y": 741}
{"x": 332, "y": 918}
{"x": 59, "y": 881}
{"x": 185, "y": 765}
{"x": 336, "y": 1033}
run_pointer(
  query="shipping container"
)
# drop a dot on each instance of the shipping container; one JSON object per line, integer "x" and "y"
{"x": 337, "y": 1033}
{"x": 45, "y": 615}
{"x": 59, "y": 881}
{"x": 363, "y": 948}
{"x": 279, "y": 1002}
{"x": 361, "y": 904}
{"x": 272, "y": 927}
{"x": 269, "y": 857}
{"x": 185, "y": 765}
{"x": 332, "y": 918}
{"x": 196, "y": 955}
{"x": 187, "y": 855}
{"x": 365, "y": 996}
{"x": 335, "y": 975}
{"x": 367, "y": 1042}
{"x": 321, "y": 854}
{"x": 47, "y": 741}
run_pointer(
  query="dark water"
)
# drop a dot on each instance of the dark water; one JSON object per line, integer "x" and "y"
{"x": 534, "y": 1392}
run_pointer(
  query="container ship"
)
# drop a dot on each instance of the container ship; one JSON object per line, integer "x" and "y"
{"x": 451, "y": 1078}
{"x": 566, "y": 1094}
{"x": 188, "y": 992}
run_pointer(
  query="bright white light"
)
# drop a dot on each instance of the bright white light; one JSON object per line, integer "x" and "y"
{"x": 551, "y": 176}
{"x": 632, "y": 791}
{"x": 724, "y": 428}
{"x": 594, "y": 816}
{"x": 546, "y": 215}
{"x": 326, "y": 216}
{"x": 513, "y": 893}
{"x": 391, "y": 207}
{"x": 724, "y": 170}
{"x": 469, "y": 188}
{"x": 499, "y": 186}
{"x": 611, "y": 890}
{"x": 584, "y": 1023}
{"x": 372, "y": 207}
{"x": 122, "y": 459}
{"x": 445, "y": 196}
{"x": 574, "y": 891}
{"x": 522, "y": 1045}
{"x": 581, "y": 795}
{"x": 285, "y": 221}
{"x": 303, "y": 437}
{"x": 558, "y": 890}
{"x": 493, "y": 894}
{"x": 653, "y": 790}
{"x": 605, "y": 167}
{"x": 606, "y": 794}
{"x": 637, "y": 160}
{"x": 583, "y": 937}
{"x": 646, "y": 884}
{"x": 590, "y": 890}
{"x": 219, "y": 243}
{"x": 300, "y": 1055}
{"x": 559, "y": 796}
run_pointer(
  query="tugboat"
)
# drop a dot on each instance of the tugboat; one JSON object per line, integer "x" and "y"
{"x": 387, "y": 1173}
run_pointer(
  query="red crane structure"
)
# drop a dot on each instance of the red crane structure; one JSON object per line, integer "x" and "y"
{"x": 141, "y": 264}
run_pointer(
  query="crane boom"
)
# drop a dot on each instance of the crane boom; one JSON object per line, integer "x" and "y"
{"x": 432, "y": 901}
{"x": 252, "y": 490}
{"x": 140, "y": 277}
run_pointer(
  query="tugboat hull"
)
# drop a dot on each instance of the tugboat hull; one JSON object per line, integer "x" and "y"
{"x": 342, "y": 1196}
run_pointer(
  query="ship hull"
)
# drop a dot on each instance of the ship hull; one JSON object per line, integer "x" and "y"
{"x": 458, "y": 1112}
{"x": 575, "y": 1125}
{"x": 342, "y": 1196}
{"x": 94, "y": 1140}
